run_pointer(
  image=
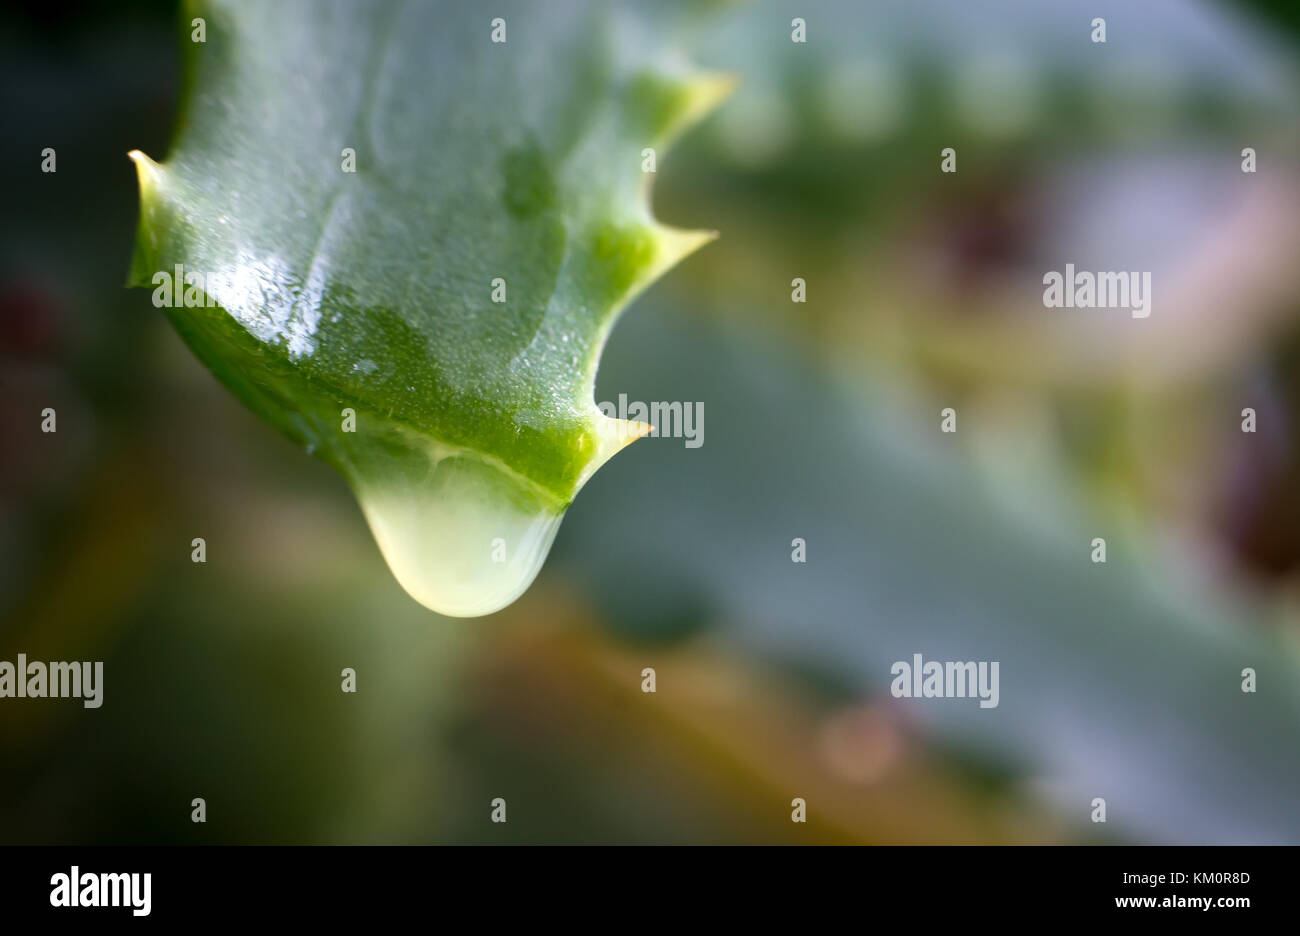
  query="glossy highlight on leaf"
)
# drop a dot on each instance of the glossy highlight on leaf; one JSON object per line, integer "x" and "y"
{"x": 476, "y": 162}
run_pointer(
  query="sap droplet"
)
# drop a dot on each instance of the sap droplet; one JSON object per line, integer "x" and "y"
{"x": 463, "y": 535}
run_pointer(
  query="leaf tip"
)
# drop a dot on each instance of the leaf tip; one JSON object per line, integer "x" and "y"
{"x": 674, "y": 104}
{"x": 676, "y": 244}
{"x": 146, "y": 169}
{"x": 710, "y": 90}
{"x": 613, "y": 435}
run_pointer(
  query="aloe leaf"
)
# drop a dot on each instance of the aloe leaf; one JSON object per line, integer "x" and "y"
{"x": 429, "y": 323}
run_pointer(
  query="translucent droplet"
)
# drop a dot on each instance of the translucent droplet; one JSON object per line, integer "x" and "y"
{"x": 462, "y": 533}
{"x": 465, "y": 537}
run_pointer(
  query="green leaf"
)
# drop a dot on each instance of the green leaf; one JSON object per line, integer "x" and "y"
{"x": 479, "y": 165}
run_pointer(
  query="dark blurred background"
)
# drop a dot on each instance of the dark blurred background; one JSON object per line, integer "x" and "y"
{"x": 1119, "y": 681}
